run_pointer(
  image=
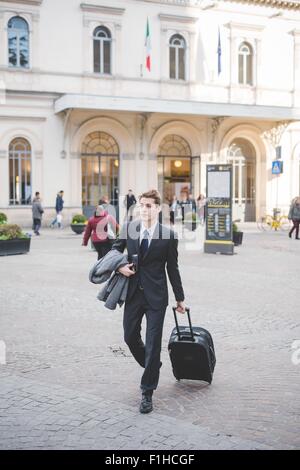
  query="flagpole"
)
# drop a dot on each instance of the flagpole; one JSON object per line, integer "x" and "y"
{"x": 219, "y": 51}
{"x": 148, "y": 46}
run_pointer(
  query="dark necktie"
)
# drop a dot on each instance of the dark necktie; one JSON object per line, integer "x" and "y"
{"x": 144, "y": 243}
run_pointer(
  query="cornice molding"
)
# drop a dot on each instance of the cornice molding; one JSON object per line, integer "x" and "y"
{"x": 284, "y": 4}
{"x": 22, "y": 118}
{"x": 245, "y": 27}
{"x": 24, "y": 2}
{"x": 178, "y": 18}
{"x": 295, "y": 32}
{"x": 103, "y": 9}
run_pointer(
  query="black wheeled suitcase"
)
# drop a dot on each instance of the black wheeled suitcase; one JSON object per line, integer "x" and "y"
{"x": 191, "y": 351}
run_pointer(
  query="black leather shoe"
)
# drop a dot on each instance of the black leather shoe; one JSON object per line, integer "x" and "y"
{"x": 146, "y": 403}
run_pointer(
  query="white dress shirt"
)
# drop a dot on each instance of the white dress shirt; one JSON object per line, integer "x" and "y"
{"x": 150, "y": 232}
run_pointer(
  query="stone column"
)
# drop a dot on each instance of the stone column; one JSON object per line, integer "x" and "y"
{"x": 34, "y": 50}
{"x": 87, "y": 47}
{"x": 296, "y": 77}
{"x": 164, "y": 59}
{"x": 191, "y": 57}
{"x": 3, "y": 41}
{"x": 4, "y": 178}
{"x": 117, "y": 50}
{"x": 37, "y": 180}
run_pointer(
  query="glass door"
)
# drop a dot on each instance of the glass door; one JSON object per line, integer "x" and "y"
{"x": 174, "y": 176}
{"x": 243, "y": 177}
{"x": 100, "y": 171}
{"x": 100, "y": 176}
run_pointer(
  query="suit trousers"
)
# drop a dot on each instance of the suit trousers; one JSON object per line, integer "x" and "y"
{"x": 148, "y": 354}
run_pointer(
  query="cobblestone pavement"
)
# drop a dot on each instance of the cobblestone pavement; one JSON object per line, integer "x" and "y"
{"x": 70, "y": 382}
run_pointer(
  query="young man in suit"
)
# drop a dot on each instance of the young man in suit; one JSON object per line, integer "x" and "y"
{"x": 156, "y": 247}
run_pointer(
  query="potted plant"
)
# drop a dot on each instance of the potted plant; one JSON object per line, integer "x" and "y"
{"x": 13, "y": 241}
{"x": 3, "y": 218}
{"x": 78, "y": 223}
{"x": 237, "y": 236}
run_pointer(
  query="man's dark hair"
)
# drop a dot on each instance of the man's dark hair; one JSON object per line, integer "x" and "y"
{"x": 153, "y": 194}
{"x": 37, "y": 194}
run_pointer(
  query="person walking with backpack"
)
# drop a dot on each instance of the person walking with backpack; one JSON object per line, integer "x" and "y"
{"x": 294, "y": 216}
{"x": 37, "y": 213}
{"x": 59, "y": 205}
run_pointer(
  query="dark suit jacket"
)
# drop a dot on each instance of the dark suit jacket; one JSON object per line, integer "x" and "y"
{"x": 161, "y": 253}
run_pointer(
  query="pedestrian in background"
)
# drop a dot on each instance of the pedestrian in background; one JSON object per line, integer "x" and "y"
{"x": 185, "y": 205}
{"x": 294, "y": 216}
{"x": 192, "y": 202}
{"x": 102, "y": 229}
{"x": 59, "y": 205}
{"x": 37, "y": 213}
{"x": 129, "y": 202}
{"x": 173, "y": 209}
{"x": 201, "y": 202}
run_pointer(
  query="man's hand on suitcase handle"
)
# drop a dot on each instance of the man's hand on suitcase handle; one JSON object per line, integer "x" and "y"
{"x": 180, "y": 307}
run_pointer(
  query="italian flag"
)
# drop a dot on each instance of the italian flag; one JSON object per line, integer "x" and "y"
{"x": 148, "y": 47}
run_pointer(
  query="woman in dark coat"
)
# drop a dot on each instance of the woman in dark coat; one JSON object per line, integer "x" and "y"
{"x": 294, "y": 216}
{"x": 37, "y": 213}
{"x": 102, "y": 229}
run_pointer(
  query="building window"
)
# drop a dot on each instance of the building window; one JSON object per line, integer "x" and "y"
{"x": 245, "y": 64}
{"x": 18, "y": 42}
{"x": 177, "y": 57}
{"x": 102, "y": 50}
{"x": 19, "y": 172}
{"x": 100, "y": 169}
{"x": 241, "y": 154}
{"x": 174, "y": 167}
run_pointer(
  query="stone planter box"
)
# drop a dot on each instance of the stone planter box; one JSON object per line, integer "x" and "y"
{"x": 237, "y": 238}
{"x": 16, "y": 246}
{"x": 78, "y": 228}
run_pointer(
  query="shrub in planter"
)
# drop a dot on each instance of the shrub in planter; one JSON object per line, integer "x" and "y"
{"x": 78, "y": 223}
{"x": 79, "y": 219}
{"x": 237, "y": 236}
{"x": 3, "y": 218}
{"x": 12, "y": 240}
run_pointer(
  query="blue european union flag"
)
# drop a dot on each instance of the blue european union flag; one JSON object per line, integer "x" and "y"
{"x": 219, "y": 52}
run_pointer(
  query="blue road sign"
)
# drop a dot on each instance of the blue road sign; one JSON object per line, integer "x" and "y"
{"x": 277, "y": 167}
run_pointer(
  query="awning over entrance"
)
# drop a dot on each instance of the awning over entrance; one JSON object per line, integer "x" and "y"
{"x": 144, "y": 105}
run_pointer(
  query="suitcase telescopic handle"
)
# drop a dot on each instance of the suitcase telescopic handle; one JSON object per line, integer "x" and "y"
{"x": 189, "y": 319}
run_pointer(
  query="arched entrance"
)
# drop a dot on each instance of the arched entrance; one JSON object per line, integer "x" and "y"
{"x": 19, "y": 172}
{"x": 100, "y": 170}
{"x": 177, "y": 169}
{"x": 241, "y": 154}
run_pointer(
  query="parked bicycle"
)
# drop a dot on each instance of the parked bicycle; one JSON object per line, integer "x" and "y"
{"x": 274, "y": 222}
